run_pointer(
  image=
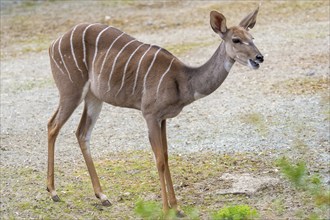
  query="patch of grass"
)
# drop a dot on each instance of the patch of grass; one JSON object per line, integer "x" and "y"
{"x": 35, "y": 44}
{"x": 128, "y": 178}
{"x": 238, "y": 212}
{"x": 257, "y": 120}
{"x": 21, "y": 39}
{"x": 301, "y": 86}
{"x": 30, "y": 85}
{"x": 296, "y": 6}
{"x": 28, "y": 4}
{"x": 278, "y": 206}
{"x": 152, "y": 210}
{"x": 297, "y": 174}
{"x": 117, "y": 3}
{"x": 34, "y": 48}
{"x": 325, "y": 103}
{"x": 182, "y": 48}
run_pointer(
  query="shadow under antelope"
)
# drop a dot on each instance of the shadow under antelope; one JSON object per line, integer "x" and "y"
{"x": 96, "y": 63}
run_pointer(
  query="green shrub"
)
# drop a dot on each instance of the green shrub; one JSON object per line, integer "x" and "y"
{"x": 295, "y": 173}
{"x": 239, "y": 212}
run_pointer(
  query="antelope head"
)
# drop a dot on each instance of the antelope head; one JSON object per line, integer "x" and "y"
{"x": 238, "y": 41}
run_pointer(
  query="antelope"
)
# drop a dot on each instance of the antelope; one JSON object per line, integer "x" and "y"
{"x": 96, "y": 63}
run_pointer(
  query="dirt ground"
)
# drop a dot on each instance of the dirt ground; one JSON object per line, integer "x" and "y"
{"x": 282, "y": 109}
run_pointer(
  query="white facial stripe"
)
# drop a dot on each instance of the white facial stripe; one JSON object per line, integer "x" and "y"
{"x": 60, "y": 52}
{"x": 58, "y": 66}
{"x": 72, "y": 50}
{"x": 105, "y": 57}
{"x": 148, "y": 71}
{"x": 96, "y": 46}
{"x": 164, "y": 74}
{"x": 84, "y": 46}
{"x": 137, "y": 71}
{"x": 115, "y": 60}
{"x": 125, "y": 69}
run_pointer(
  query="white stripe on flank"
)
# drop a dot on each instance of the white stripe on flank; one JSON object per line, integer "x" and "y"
{"x": 59, "y": 50}
{"x": 96, "y": 45}
{"x": 125, "y": 69}
{"x": 148, "y": 71}
{"x": 72, "y": 50}
{"x": 105, "y": 57}
{"x": 84, "y": 44}
{"x": 53, "y": 47}
{"x": 137, "y": 71}
{"x": 115, "y": 60}
{"x": 161, "y": 79}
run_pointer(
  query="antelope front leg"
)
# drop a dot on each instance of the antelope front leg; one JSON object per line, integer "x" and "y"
{"x": 169, "y": 183}
{"x": 155, "y": 139}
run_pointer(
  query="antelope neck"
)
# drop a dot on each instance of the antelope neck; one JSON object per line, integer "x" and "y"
{"x": 208, "y": 77}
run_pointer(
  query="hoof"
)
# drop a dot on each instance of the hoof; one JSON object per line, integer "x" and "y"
{"x": 180, "y": 214}
{"x": 106, "y": 203}
{"x": 56, "y": 198}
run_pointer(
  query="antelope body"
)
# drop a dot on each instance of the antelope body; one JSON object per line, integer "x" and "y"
{"x": 96, "y": 63}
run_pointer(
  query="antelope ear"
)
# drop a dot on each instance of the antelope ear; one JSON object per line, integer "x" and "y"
{"x": 250, "y": 20}
{"x": 218, "y": 23}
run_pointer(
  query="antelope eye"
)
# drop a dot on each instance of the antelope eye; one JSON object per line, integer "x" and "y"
{"x": 236, "y": 40}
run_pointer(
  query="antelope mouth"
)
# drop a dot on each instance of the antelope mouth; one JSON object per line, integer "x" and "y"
{"x": 253, "y": 64}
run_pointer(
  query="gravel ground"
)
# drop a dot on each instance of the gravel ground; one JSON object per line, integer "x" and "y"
{"x": 280, "y": 109}
{"x": 217, "y": 123}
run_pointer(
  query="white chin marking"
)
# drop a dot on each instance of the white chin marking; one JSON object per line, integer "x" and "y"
{"x": 252, "y": 66}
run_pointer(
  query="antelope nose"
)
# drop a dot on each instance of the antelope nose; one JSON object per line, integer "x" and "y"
{"x": 260, "y": 58}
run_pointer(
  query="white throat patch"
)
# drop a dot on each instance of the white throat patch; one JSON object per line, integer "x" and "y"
{"x": 198, "y": 95}
{"x": 228, "y": 64}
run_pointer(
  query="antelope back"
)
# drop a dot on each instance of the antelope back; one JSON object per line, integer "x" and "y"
{"x": 119, "y": 68}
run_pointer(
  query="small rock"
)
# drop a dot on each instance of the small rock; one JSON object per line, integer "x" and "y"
{"x": 310, "y": 73}
{"x": 149, "y": 23}
{"x": 107, "y": 18}
{"x": 246, "y": 183}
{"x": 183, "y": 184}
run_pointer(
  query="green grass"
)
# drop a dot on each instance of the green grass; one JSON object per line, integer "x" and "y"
{"x": 302, "y": 85}
{"x": 325, "y": 103}
{"x": 182, "y": 48}
{"x": 238, "y": 212}
{"x": 152, "y": 210}
{"x": 35, "y": 43}
{"x": 297, "y": 174}
{"x": 30, "y": 85}
{"x": 131, "y": 182}
{"x": 257, "y": 120}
